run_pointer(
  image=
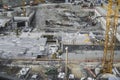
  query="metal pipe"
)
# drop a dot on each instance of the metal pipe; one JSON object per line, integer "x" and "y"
{"x": 66, "y": 63}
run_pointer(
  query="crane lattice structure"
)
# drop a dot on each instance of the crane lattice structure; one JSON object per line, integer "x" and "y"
{"x": 110, "y": 36}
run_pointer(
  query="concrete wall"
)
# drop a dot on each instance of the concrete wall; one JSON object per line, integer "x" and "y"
{"x": 27, "y": 19}
{"x": 82, "y": 55}
{"x": 72, "y": 48}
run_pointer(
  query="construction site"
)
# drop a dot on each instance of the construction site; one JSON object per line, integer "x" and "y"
{"x": 59, "y": 39}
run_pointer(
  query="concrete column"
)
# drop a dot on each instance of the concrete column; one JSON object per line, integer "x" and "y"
{"x": 62, "y": 46}
{"x": 70, "y": 0}
{"x": 66, "y": 1}
{"x": 26, "y": 24}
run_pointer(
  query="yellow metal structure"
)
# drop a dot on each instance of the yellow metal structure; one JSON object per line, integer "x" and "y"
{"x": 110, "y": 39}
{"x": 37, "y": 1}
{"x": 23, "y": 6}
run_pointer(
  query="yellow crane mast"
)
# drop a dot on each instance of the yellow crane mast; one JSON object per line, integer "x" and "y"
{"x": 110, "y": 39}
{"x": 23, "y": 6}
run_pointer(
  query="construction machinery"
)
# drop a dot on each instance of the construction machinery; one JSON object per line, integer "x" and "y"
{"x": 110, "y": 36}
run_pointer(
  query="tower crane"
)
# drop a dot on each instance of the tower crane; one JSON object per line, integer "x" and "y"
{"x": 110, "y": 39}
